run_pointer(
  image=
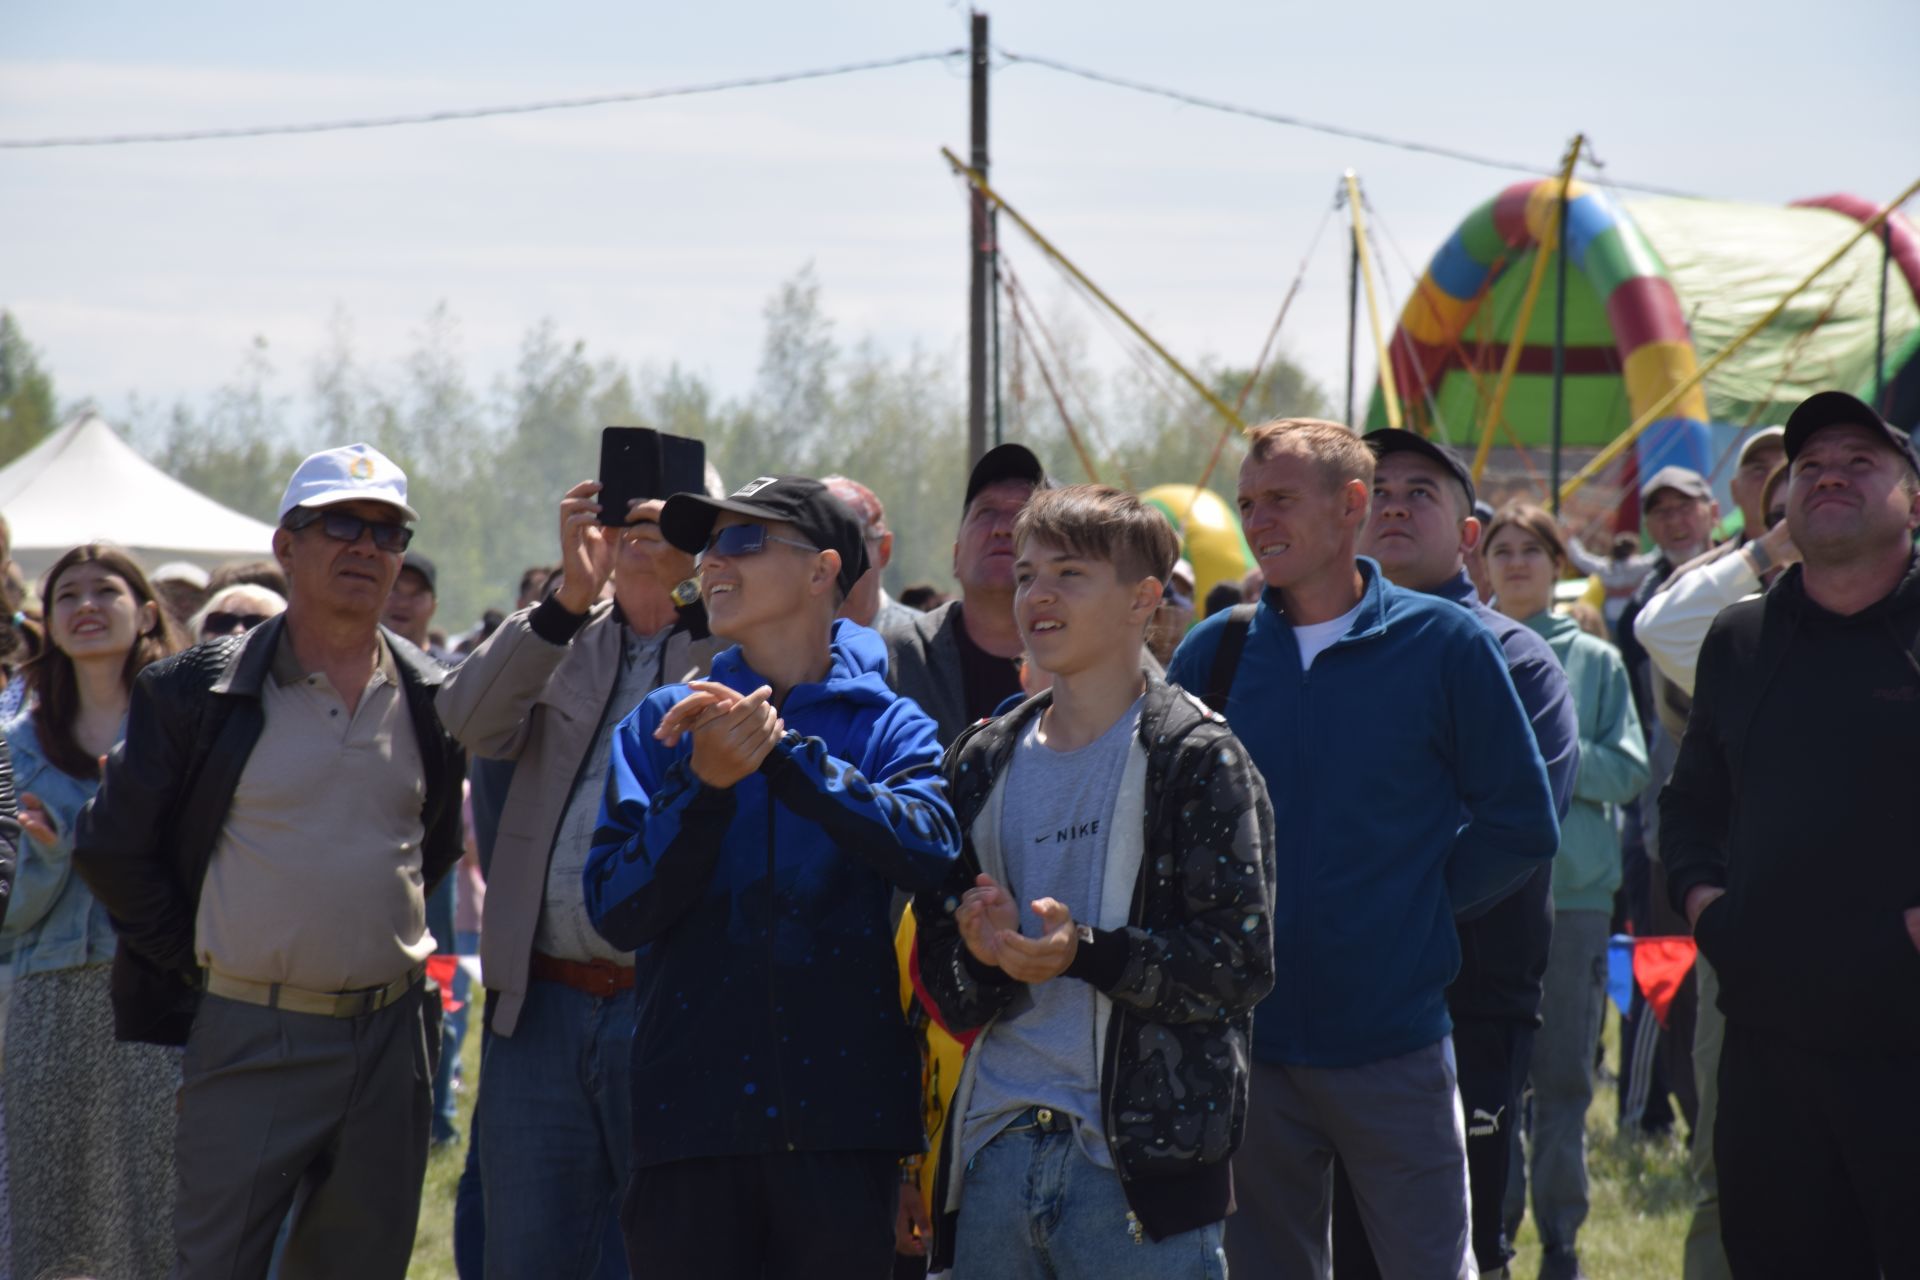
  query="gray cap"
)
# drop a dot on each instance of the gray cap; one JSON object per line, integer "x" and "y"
{"x": 1775, "y": 436}
{"x": 1682, "y": 480}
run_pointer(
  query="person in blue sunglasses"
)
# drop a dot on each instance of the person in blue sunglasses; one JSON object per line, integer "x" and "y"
{"x": 753, "y": 829}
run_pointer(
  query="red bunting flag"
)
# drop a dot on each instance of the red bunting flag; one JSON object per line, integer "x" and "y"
{"x": 441, "y": 969}
{"x": 1660, "y": 965}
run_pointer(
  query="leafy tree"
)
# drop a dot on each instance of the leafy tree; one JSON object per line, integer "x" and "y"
{"x": 27, "y": 413}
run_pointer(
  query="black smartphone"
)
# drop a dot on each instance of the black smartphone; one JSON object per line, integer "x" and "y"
{"x": 639, "y": 462}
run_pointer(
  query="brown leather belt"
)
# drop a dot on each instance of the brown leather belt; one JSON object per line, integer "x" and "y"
{"x": 598, "y": 978}
{"x": 327, "y": 1004}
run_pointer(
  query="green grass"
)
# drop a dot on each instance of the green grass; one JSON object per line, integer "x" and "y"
{"x": 1639, "y": 1189}
{"x": 433, "y": 1242}
{"x": 1642, "y": 1195}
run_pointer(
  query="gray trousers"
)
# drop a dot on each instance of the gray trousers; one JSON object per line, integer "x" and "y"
{"x": 326, "y": 1117}
{"x": 1396, "y": 1126}
{"x": 1571, "y": 1006}
{"x": 1706, "y": 1257}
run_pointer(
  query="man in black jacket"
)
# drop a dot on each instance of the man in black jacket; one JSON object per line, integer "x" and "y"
{"x": 1789, "y": 841}
{"x": 264, "y": 839}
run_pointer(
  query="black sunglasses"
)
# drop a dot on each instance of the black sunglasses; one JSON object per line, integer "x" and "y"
{"x": 222, "y": 624}
{"x": 342, "y": 527}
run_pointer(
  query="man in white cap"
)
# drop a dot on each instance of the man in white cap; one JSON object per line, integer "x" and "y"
{"x": 265, "y": 839}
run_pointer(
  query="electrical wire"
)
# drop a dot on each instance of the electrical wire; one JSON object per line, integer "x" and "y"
{"x": 478, "y": 113}
{"x": 1314, "y": 126}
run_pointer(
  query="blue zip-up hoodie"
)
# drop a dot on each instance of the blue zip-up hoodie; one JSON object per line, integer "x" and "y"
{"x": 1370, "y": 758}
{"x": 767, "y": 1005}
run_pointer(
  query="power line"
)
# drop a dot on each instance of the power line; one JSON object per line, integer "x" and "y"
{"x": 1315, "y": 126}
{"x": 476, "y": 113}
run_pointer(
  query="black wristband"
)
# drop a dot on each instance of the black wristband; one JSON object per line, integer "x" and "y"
{"x": 1100, "y": 958}
{"x": 554, "y": 622}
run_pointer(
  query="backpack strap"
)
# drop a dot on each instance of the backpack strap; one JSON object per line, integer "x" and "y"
{"x": 1226, "y": 659}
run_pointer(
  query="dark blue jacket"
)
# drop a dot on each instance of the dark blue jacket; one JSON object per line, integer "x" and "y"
{"x": 1370, "y": 759}
{"x": 767, "y": 1006}
{"x": 1503, "y": 951}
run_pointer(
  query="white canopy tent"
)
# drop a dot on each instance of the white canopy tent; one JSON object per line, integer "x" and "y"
{"x": 84, "y": 483}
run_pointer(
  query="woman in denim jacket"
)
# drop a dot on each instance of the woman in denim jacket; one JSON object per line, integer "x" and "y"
{"x": 89, "y": 1121}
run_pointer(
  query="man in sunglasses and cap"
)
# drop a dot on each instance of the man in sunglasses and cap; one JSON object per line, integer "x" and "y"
{"x": 753, "y": 829}
{"x": 265, "y": 838}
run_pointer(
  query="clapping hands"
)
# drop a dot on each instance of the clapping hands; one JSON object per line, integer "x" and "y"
{"x": 732, "y": 734}
{"x": 990, "y": 926}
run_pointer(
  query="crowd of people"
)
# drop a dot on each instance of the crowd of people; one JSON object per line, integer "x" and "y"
{"x": 1038, "y": 931}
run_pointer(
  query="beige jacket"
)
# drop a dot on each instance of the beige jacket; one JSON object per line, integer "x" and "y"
{"x": 523, "y": 698}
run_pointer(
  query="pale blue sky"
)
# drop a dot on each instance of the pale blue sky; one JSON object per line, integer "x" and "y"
{"x": 656, "y": 231}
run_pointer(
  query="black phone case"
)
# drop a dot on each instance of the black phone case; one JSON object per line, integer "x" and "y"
{"x": 639, "y": 462}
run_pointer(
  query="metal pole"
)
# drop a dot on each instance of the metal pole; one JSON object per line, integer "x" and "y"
{"x": 979, "y": 238}
{"x": 1880, "y": 324}
{"x": 1559, "y": 329}
{"x": 1389, "y": 394}
{"x": 999, "y": 412}
{"x": 1353, "y": 320}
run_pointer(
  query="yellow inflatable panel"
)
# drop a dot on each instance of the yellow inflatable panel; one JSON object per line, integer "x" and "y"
{"x": 1656, "y": 368}
{"x": 1210, "y": 539}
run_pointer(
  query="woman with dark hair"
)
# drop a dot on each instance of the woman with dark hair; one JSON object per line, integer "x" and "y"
{"x": 1526, "y": 554}
{"x": 89, "y": 1121}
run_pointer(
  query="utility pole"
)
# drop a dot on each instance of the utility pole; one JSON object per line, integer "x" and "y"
{"x": 980, "y": 247}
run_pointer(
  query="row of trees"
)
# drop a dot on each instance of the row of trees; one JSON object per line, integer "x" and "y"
{"x": 487, "y": 462}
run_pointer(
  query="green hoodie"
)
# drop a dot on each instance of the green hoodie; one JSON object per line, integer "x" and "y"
{"x": 1613, "y": 764}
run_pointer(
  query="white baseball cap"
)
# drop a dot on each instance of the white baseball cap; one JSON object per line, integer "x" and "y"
{"x": 353, "y": 472}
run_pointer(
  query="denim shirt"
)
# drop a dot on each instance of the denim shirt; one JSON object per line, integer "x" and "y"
{"x": 53, "y": 921}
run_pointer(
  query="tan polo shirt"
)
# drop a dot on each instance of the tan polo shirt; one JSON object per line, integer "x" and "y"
{"x": 316, "y": 879}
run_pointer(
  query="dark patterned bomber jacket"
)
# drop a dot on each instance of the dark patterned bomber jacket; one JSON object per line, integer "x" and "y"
{"x": 1183, "y": 972}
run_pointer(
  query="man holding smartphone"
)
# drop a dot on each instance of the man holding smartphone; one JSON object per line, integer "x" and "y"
{"x": 545, "y": 690}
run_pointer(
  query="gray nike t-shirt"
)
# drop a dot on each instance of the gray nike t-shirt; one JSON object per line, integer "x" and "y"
{"x": 1053, "y": 828}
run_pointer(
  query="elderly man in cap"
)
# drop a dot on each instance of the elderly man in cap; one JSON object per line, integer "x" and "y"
{"x": 1678, "y": 511}
{"x": 544, "y": 694}
{"x": 265, "y": 839}
{"x": 962, "y": 660}
{"x": 1790, "y": 848}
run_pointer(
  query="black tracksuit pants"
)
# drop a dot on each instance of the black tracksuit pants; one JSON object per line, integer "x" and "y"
{"x": 1819, "y": 1160}
{"x": 798, "y": 1214}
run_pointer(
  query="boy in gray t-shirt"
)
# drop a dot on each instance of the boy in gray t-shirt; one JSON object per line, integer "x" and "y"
{"x": 1054, "y": 828}
{"x": 1109, "y": 932}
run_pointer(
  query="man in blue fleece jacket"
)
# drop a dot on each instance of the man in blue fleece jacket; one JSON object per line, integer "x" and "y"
{"x": 753, "y": 828}
{"x": 1377, "y": 716}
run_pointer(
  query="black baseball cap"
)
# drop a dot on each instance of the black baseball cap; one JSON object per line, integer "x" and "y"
{"x": 1834, "y": 408}
{"x": 1005, "y": 462}
{"x": 1393, "y": 440}
{"x": 424, "y": 567}
{"x": 686, "y": 521}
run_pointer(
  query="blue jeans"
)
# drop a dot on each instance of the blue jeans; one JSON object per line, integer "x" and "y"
{"x": 556, "y": 1136}
{"x": 1033, "y": 1207}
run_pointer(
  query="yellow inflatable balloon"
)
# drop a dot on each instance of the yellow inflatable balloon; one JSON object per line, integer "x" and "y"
{"x": 1210, "y": 536}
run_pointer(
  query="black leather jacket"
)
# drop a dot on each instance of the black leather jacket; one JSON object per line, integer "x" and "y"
{"x": 144, "y": 841}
